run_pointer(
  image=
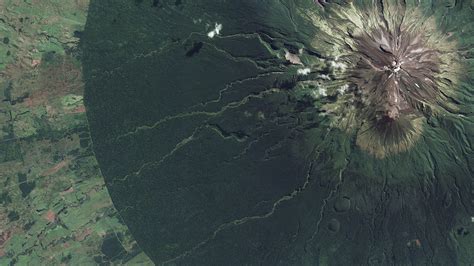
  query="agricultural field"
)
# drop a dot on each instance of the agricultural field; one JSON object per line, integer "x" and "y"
{"x": 55, "y": 208}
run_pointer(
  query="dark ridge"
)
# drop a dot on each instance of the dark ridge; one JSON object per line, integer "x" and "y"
{"x": 197, "y": 46}
{"x": 286, "y": 84}
{"x": 25, "y": 186}
{"x": 157, "y": 3}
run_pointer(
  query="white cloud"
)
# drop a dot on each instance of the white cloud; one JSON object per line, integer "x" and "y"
{"x": 324, "y": 76}
{"x": 215, "y": 31}
{"x": 322, "y": 91}
{"x": 303, "y": 71}
{"x": 338, "y": 65}
{"x": 343, "y": 89}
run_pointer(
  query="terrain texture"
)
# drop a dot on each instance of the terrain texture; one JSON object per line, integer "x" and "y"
{"x": 240, "y": 132}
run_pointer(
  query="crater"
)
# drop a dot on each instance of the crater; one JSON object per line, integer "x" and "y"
{"x": 400, "y": 70}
